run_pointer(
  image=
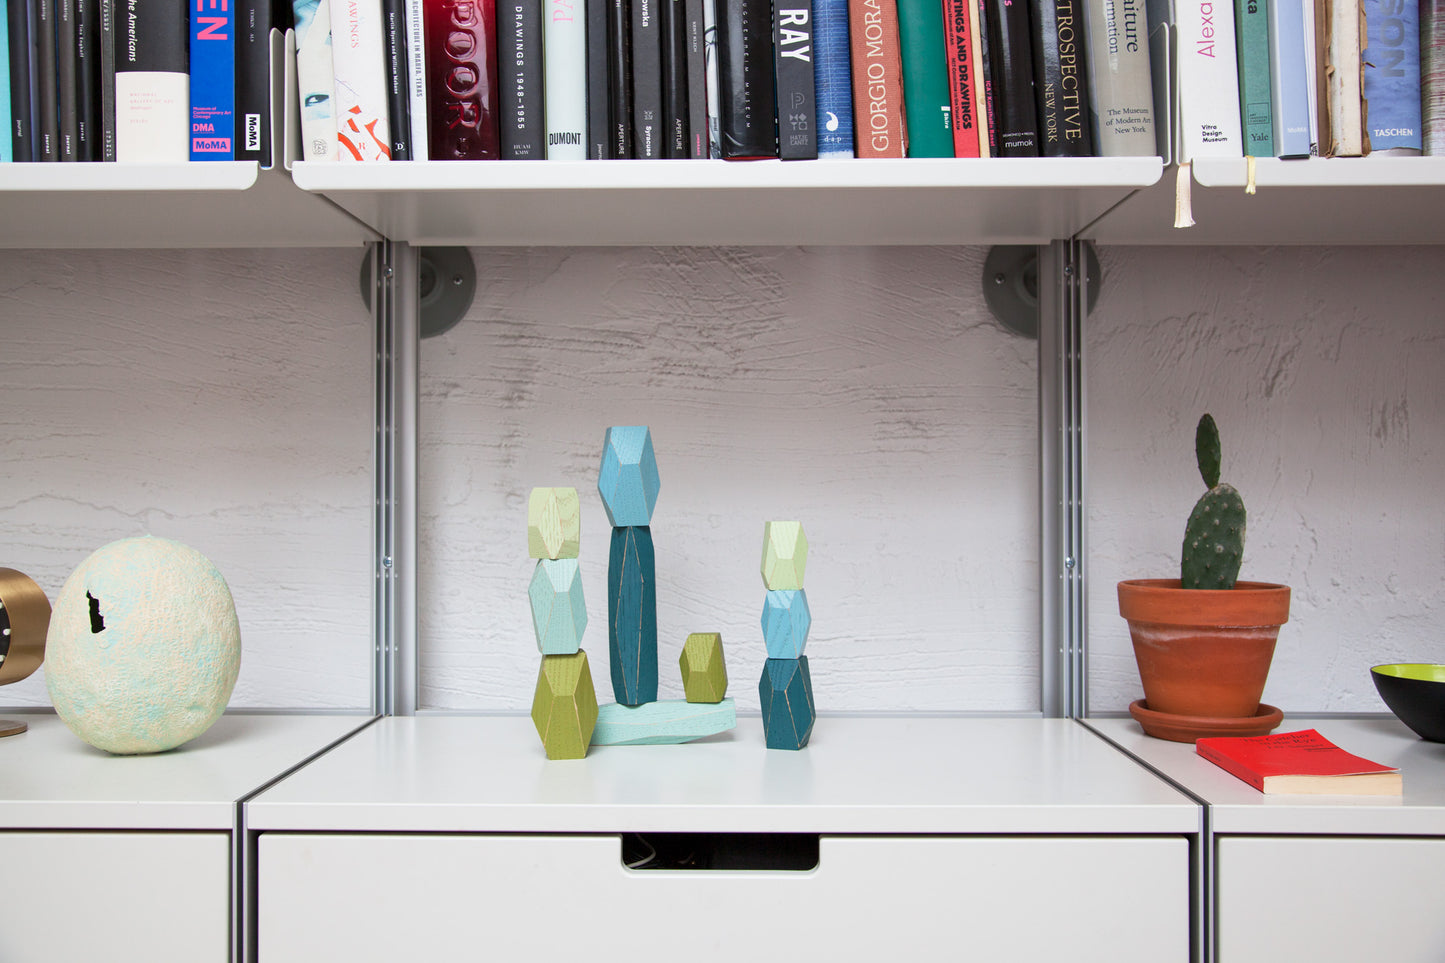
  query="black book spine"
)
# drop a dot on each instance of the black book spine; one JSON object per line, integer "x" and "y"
{"x": 105, "y": 78}
{"x": 597, "y": 111}
{"x": 398, "y": 94}
{"x": 519, "y": 32}
{"x": 87, "y": 79}
{"x": 253, "y": 81}
{"x": 22, "y": 89}
{"x": 1011, "y": 60}
{"x": 47, "y": 121}
{"x": 646, "y": 54}
{"x": 1060, "y": 78}
{"x": 697, "y": 137}
{"x": 747, "y": 118}
{"x": 797, "y": 94}
{"x": 619, "y": 77}
{"x": 67, "y": 42}
{"x": 674, "y": 77}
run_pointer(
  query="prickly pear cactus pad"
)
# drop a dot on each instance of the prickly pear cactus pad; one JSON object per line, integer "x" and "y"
{"x": 1214, "y": 535}
{"x": 144, "y": 646}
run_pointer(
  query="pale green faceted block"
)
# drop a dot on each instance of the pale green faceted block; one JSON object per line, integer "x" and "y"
{"x": 554, "y": 523}
{"x": 785, "y": 555}
{"x": 559, "y": 613}
{"x": 704, "y": 673}
{"x": 564, "y": 707}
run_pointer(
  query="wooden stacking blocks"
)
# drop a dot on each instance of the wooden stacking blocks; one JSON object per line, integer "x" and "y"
{"x": 559, "y": 614}
{"x": 662, "y": 723}
{"x": 564, "y": 708}
{"x": 628, "y": 483}
{"x": 704, "y": 673}
{"x": 786, "y": 688}
{"x": 554, "y": 523}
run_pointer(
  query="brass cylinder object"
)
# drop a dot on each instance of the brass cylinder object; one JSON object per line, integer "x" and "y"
{"x": 24, "y": 620}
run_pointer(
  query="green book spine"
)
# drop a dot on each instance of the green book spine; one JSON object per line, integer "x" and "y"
{"x": 925, "y": 78}
{"x": 1256, "y": 111}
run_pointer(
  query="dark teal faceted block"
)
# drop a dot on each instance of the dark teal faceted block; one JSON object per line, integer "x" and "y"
{"x": 786, "y": 694}
{"x": 632, "y": 615}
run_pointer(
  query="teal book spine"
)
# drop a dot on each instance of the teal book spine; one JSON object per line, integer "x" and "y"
{"x": 1256, "y": 110}
{"x": 925, "y": 78}
{"x": 7, "y": 143}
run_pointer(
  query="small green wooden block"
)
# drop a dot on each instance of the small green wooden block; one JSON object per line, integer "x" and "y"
{"x": 785, "y": 555}
{"x": 554, "y": 523}
{"x": 564, "y": 708}
{"x": 704, "y": 673}
{"x": 663, "y": 723}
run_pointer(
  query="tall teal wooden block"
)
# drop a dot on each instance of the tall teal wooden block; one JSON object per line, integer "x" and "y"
{"x": 559, "y": 615}
{"x": 628, "y": 481}
{"x": 786, "y": 619}
{"x": 786, "y": 694}
{"x": 632, "y": 615}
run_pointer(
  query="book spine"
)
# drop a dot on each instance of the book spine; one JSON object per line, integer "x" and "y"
{"x": 314, "y": 80}
{"x": 1012, "y": 62}
{"x": 1289, "y": 78}
{"x": 714, "y": 86}
{"x": 925, "y": 78}
{"x": 619, "y": 78}
{"x": 519, "y": 23}
{"x": 7, "y": 145}
{"x": 597, "y": 111}
{"x": 1121, "y": 92}
{"x": 793, "y": 71}
{"x": 564, "y": 58}
{"x": 988, "y": 139}
{"x": 461, "y": 59}
{"x": 960, "y": 25}
{"x": 1392, "y": 75}
{"x": 22, "y": 106}
{"x": 1432, "y": 75}
{"x": 745, "y": 79}
{"x": 47, "y": 118}
{"x": 832, "y": 75}
{"x": 213, "y": 80}
{"x": 358, "y": 60}
{"x": 87, "y": 79}
{"x": 675, "y": 134}
{"x": 878, "y": 127}
{"x": 695, "y": 30}
{"x": 1342, "y": 129}
{"x": 253, "y": 81}
{"x": 1061, "y": 78}
{"x": 152, "y": 81}
{"x": 67, "y": 95}
{"x": 645, "y": 30}
{"x": 416, "y": 78}
{"x": 105, "y": 80}
{"x": 1208, "y": 80}
{"x": 398, "y": 95}
{"x": 1252, "y": 42}
{"x": 1229, "y": 764}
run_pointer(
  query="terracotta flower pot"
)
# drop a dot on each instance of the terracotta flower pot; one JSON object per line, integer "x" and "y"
{"x": 1203, "y": 652}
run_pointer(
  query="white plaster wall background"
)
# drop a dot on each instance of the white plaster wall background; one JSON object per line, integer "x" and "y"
{"x": 222, "y": 399}
{"x": 866, "y": 392}
{"x": 1323, "y": 369}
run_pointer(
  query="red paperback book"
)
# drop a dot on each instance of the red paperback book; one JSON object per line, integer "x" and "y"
{"x": 1299, "y": 762}
{"x": 960, "y": 33}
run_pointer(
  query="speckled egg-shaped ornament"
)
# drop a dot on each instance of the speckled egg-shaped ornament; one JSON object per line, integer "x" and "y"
{"x": 143, "y": 648}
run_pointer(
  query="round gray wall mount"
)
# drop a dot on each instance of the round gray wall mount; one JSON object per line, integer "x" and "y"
{"x": 446, "y": 282}
{"x": 1011, "y": 286}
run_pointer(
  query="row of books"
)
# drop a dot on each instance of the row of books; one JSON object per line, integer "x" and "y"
{"x": 1300, "y": 78}
{"x": 736, "y": 79}
{"x": 136, "y": 80}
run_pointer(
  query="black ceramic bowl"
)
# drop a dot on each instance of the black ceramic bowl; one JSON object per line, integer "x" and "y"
{"x": 1415, "y": 693}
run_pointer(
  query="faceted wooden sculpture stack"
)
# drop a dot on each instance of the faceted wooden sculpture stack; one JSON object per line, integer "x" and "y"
{"x": 786, "y": 690}
{"x": 564, "y": 707}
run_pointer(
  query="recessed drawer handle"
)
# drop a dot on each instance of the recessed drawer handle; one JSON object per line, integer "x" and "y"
{"x": 786, "y": 852}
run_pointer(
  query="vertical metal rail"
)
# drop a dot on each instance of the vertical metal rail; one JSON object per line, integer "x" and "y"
{"x": 1063, "y": 306}
{"x": 396, "y": 313}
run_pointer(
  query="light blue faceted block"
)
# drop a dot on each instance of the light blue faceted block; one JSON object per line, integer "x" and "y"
{"x": 628, "y": 481}
{"x": 786, "y": 694}
{"x": 559, "y": 615}
{"x": 786, "y": 620}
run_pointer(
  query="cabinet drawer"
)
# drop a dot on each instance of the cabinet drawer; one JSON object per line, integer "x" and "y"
{"x": 115, "y": 896}
{"x": 389, "y": 897}
{"x": 1330, "y": 899}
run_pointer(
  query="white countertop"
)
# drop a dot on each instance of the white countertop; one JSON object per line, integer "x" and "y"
{"x": 1237, "y": 807}
{"x": 50, "y": 779}
{"x": 916, "y": 774}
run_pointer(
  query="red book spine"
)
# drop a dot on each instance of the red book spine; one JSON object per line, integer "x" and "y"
{"x": 462, "y": 84}
{"x": 958, "y": 30}
{"x": 878, "y": 124}
{"x": 1229, "y": 764}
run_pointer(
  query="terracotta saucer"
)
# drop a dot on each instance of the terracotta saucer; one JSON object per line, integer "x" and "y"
{"x": 1167, "y": 725}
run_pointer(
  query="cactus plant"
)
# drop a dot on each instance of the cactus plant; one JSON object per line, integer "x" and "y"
{"x": 1214, "y": 537}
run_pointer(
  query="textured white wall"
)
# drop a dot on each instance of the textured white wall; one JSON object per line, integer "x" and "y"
{"x": 222, "y": 399}
{"x": 865, "y": 392}
{"x": 1323, "y": 368}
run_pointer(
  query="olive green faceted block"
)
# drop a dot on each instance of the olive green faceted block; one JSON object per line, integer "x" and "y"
{"x": 565, "y": 706}
{"x": 704, "y": 673}
{"x": 554, "y": 523}
{"x": 785, "y": 555}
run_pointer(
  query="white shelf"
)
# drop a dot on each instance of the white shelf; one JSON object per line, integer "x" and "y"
{"x": 200, "y": 205}
{"x": 50, "y": 779}
{"x": 824, "y": 202}
{"x": 1236, "y": 807}
{"x": 910, "y": 775}
{"x": 1342, "y": 200}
